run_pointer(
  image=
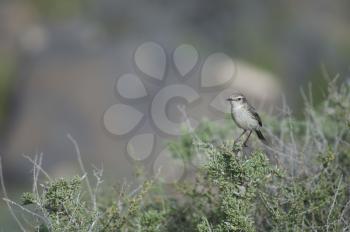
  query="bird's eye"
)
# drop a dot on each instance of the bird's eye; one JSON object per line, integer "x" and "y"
{"x": 239, "y": 98}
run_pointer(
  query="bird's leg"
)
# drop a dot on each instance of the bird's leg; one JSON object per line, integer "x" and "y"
{"x": 246, "y": 140}
{"x": 244, "y": 131}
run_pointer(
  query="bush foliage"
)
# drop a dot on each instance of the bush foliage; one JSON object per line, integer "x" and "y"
{"x": 300, "y": 182}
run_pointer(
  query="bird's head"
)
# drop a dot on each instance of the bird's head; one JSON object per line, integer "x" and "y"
{"x": 236, "y": 99}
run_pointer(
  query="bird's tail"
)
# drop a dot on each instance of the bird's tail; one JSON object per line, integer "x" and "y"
{"x": 261, "y": 136}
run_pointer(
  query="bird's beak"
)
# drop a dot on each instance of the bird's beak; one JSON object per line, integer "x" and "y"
{"x": 228, "y": 99}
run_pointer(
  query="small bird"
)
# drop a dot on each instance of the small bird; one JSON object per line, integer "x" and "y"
{"x": 245, "y": 116}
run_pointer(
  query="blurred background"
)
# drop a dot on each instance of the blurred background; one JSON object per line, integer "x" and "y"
{"x": 59, "y": 60}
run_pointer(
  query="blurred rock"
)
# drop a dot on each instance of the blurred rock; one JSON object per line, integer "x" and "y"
{"x": 256, "y": 83}
{"x": 34, "y": 39}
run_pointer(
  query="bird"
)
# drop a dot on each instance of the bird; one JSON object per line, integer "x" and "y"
{"x": 245, "y": 117}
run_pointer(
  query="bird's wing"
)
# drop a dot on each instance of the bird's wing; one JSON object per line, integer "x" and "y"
{"x": 255, "y": 114}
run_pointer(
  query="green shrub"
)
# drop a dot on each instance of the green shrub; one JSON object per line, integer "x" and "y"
{"x": 298, "y": 183}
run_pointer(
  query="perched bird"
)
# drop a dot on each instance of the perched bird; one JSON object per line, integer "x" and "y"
{"x": 245, "y": 116}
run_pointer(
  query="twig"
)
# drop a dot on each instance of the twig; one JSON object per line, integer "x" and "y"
{"x": 334, "y": 200}
{"x": 39, "y": 167}
{"x": 8, "y": 203}
{"x": 98, "y": 173}
{"x": 82, "y": 167}
{"x": 37, "y": 162}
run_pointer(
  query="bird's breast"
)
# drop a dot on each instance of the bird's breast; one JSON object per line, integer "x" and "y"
{"x": 244, "y": 119}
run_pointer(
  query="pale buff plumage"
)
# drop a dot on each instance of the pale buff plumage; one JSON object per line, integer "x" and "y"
{"x": 245, "y": 116}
